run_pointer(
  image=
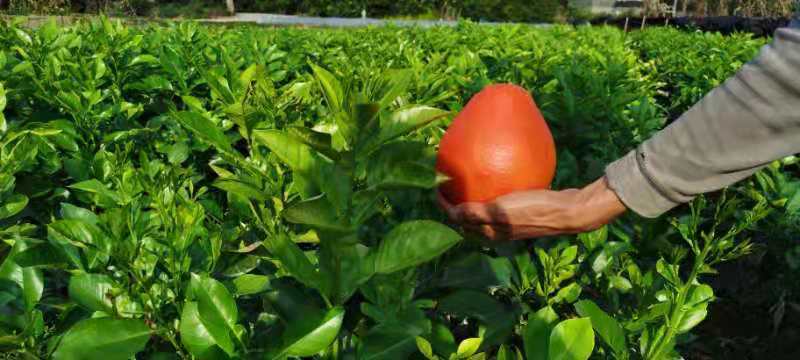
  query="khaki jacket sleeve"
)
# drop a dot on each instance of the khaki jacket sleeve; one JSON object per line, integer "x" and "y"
{"x": 744, "y": 124}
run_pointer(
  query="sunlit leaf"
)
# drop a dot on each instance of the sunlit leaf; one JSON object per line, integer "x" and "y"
{"x": 413, "y": 243}
{"x": 103, "y": 339}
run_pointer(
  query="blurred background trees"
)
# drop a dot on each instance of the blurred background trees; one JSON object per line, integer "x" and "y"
{"x": 485, "y": 10}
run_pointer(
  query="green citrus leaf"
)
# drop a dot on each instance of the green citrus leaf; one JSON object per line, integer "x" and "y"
{"x": 572, "y": 339}
{"x": 103, "y": 339}
{"x": 605, "y": 325}
{"x": 313, "y": 334}
{"x": 205, "y": 130}
{"x": 13, "y": 205}
{"x": 413, "y": 243}
{"x": 92, "y": 291}
{"x": 537, "y": 333}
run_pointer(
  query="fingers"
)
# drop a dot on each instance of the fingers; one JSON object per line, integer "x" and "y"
{"x": 474, "y": 217}
{"x": 475, "y": 213}
{"x": 442, "y": 201}
{"x": 531, "y": 214}
{"x": 505, "y": 232}
{"x": 522, "y": 215}
{"x": 453, "y": 212}
{"x": 468, "y": 213}
{"x": 487, "y": 231}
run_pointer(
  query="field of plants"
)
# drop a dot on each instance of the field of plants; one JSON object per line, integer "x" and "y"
{"x": 180, "y": 191}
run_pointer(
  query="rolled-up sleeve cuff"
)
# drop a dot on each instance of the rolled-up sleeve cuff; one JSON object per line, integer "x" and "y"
{"x": 628, "y": 180}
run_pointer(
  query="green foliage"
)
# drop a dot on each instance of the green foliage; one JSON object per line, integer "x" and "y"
{"x": 703, "y": 62}
{"x": 491, "y": 10}
{"x": 513, "y": 11}
{"x": 244, "y": 192}
{"x": 37, "y": 6}
{"x": 103, "y": 338}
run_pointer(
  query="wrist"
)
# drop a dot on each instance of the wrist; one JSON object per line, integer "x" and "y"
{"x": 597, "y": 204}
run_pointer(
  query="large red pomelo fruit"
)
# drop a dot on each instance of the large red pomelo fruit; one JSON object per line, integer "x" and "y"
{"x": 499, "y": 143}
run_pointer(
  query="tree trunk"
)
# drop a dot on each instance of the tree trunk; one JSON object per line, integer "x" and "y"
{"x": 230, "y": 6}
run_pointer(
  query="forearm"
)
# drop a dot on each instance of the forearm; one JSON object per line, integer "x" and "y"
{"x": 749, "y": 121}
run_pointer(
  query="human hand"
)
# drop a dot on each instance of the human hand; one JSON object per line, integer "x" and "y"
{"x": 537, "y": 213}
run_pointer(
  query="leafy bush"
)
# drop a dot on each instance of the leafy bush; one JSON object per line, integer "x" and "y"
{"x": 702, "y": 62}
{"x": 188, "y": 9}
{"x": 187, "y": 191}
{"x": 37, "y": 6}
{"x": 514, "y": 11}
{"x": 494, "y": 10}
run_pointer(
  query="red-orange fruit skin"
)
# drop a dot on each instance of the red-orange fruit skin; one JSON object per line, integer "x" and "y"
{"x": 499, "y": 143}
